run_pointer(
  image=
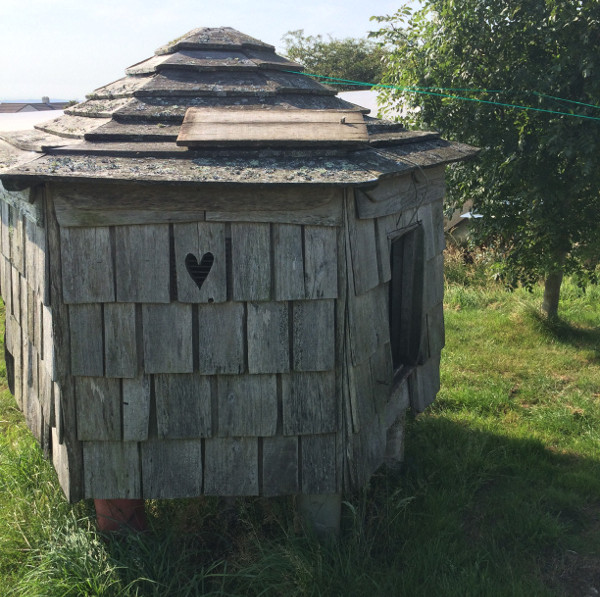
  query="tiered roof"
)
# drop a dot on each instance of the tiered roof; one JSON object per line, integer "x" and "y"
{"x": 128, "y": 129}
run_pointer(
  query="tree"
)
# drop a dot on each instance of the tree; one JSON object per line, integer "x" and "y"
{"x": 537, "y": 180}
{"x": 350, "y": 59}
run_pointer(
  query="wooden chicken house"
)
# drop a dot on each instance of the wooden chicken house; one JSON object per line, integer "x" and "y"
{"x": 220, "y": 278}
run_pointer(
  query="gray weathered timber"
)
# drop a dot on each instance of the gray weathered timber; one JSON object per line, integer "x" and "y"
{"x": 231, "y": 466}
{"x": 111, "y": 470}
{"x": 17, "y": 340}
{"x": 328, "y": 214}
{"x": 251, "y": 261}
{"x": 247, "y": 405}
{"x": 221, "y": 338}
{"x": 309, "y": 403}
{"x": 87, "y": 349}
{"x": 435, "y": 329}
{"x": 433, "y": 283}
{"x": 288, "y": 262}
{"x": 424, "y": 384}
{"x": 136, "y": 408}
{"x": 101, "y": 204}
{"x": 87, "y": 267}
{"x": 17, "y": 241}
{"x": 120, "y": 340}
{"x": 98, "y": 408}
{"x": 6, "y": 231}
{"x": 268, "y": 338}
{"x": 48, "y": 342}
{"x": 172, "y": 469}
{"x": 200, "y": 239}
{"x": 368, "y": 323}
{"x": 382, "y": 375}
{"x": 363, "y": 250}
{"x": 397, "y": 194}
{"x": 280, "y": 466}
{"x": 183, "y": 406}
{"x": 320, "y": 262}
{"x": 361, "y": 396}
{"x": 45, "y": 395}
{"x": 17, "y": 302}
{"x": 430, "y": 244}
{"x": 319, "y": 464}
{"x": 168, "y": 338}
{"x": 313, "y": 335}
{"x": 6, "y": 285}
{"x": 142, "y": 263}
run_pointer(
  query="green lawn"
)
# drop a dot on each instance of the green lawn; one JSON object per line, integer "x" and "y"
{"x": 500, "y": 493}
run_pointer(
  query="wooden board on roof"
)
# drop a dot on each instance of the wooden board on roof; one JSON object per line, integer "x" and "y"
{"x": 216, "y": 126}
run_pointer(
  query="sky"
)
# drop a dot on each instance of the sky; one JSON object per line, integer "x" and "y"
{"x": 65, "y": 49}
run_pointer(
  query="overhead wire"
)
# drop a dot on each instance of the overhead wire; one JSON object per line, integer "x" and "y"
{"x": 437, "y": 92}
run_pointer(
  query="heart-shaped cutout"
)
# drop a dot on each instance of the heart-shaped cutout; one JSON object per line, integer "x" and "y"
{"x": 199, "y": 271}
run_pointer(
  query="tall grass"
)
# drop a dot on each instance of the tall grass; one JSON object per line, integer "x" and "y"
{"x": 499, "y": 495}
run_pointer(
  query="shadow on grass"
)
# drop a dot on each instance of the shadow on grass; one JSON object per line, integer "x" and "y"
{"x": 565, "y": 332}
{"x": 472, "y": 513}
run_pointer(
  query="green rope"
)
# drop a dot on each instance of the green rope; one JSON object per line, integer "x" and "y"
{"x": 429, "y": 91}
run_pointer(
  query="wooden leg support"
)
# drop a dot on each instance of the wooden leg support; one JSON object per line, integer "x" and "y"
{"x": 118, "y": 515}
{"x": 321, "y": 512}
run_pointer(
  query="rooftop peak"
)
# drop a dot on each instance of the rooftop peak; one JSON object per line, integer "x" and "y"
{"x": 212, "y": 38}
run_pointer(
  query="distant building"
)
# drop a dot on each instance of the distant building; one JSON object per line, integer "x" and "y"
{"x": 43, "y": 106}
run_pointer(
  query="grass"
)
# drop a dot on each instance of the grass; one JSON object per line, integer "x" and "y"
{"x": 500, "y": 493}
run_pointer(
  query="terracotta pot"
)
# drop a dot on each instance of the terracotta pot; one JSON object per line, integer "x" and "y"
{"x": 117, "y": 515}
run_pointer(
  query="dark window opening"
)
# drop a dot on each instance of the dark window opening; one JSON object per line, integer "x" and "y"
{"x": 406, "y": 298}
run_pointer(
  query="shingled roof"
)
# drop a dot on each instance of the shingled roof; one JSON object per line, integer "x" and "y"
{"x": 128, "y": 129}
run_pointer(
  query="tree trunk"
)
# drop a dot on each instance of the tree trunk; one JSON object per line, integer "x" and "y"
{"x": 552, "y": 294}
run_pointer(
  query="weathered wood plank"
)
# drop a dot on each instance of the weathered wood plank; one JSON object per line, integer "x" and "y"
{"x": 288, "y": 262}
{"x": 424, "y": 384}
{"x": 168, "y": 338}
{"x": 430, "y": 244}
{"x": 99, "y": 204}
{"x": 247, "y": 405}
{"x": 320, "y": 262}
{"x": 200, "y": 240}
{"x": 268, "y": 337}
{"x": 42, "y": 286}
{"x": 221, "y": 338}
{"x": 48, "y": 342}
{"x": 363, "y": 249}
{"x": 329, "y": 213}
{"x": 98, "y": 408}
{"x": 280, "y": 466}
{"x": 228, "y": 126}
{"x": 433, "y": 283}
{"x": 17, "y": 241}
{"x": 28, "y": 202}
{"x": 183, "y": 406}
{"x": 251, "y": 261}
{"x": 16, "y": 349}
{"x": 142, "y": 263}
{"x": 120, "y": 340}
{"x": 437, "y": 222}
{"x": 368, "y": 323}
{"x": 16, "y": 301}
{"x": 31, "y": 259}
{"x": 87, "y": 267}
{"x": 6, "y": 232}
{"x": 87, "y": 351}
{"x": 382, "y": 376}
{"x": 136, "y": 408}
{"x": 309, "y": 403}
{"x": 313, "y": 351}
{"x": 46, "y": 396}
{"x": 7, "y": 285}
{"x": 399, "y": 402}
{"x": 172, "y": 469}
{"x": 361, "y": 396}
{"x": 31, "y": 404}
{"x": 231, "y": 466}
{"x": 436, "y": 330}
{"x": 111, "y": 470}
{"x": 65, "y": 403}
{"x": 319, "y": 464}
{"x": 394, "y": 195}
{"x": 60, "y": 461}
